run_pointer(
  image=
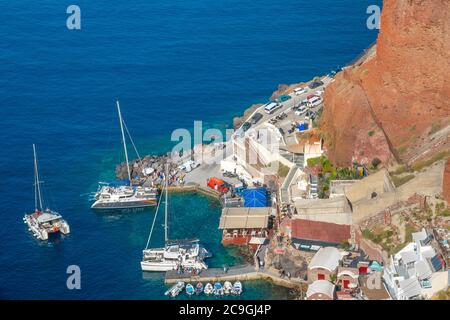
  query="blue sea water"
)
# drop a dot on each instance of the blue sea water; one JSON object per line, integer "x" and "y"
{"x": 170, "y": 62}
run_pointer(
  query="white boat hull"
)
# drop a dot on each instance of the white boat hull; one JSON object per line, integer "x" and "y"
{"x": 169, "y": 265}
{"x": 41, "y": 232}
{"x": 157, "y": 266}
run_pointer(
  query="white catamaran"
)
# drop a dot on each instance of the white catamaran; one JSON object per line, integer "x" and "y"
{"x": 176, "y": 254}
{"x": 124, "y": 197}
{"x": 43, "y": 222}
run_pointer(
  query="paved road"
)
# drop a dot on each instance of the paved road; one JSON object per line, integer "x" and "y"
{"x": 287, "y": 105}
{"x": 210, "y": 167}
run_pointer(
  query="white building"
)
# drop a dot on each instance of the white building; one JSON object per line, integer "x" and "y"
{"x": 416, "y": 271}
{"x": 320, "y": 290}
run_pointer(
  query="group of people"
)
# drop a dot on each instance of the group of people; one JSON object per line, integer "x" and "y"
{"x": 186, "y": 270}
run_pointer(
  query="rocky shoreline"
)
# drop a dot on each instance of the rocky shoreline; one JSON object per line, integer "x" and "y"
{"x": 150, "y": 171}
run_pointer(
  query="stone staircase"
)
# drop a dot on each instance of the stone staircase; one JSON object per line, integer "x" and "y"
{"x": 296, "y": 158}
{"x": 284, "y": 191}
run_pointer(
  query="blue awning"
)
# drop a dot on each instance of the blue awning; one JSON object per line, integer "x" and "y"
{"x": 255, "y": 198}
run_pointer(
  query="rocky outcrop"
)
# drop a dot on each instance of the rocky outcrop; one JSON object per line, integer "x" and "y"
{"x": 395, "y": 103}
{"x": 238, "y": 121}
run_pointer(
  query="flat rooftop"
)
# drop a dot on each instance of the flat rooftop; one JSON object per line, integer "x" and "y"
{"x": 245, "y": 218}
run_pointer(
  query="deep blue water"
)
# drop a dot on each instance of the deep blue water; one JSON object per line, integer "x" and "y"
{"x": 170, "y": 63}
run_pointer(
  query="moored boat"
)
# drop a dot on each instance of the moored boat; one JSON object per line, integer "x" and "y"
{"x": 227, "y": 287}
{"x": 190, "y": 289}
{"x": 209, "y": 289}
{"x": 124, "y": 197}
{"x": 218, "y": 289}
{"x": 175, "y": 289}
{"x": 237, "y": 288}
{"x": 199, "y": 288}
{"x": 182, "y": 255}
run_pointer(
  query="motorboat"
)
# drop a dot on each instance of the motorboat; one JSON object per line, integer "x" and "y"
{"x": 227, "y": 287}
{"x": 237, "y": 288}
{"x": 218, "y": 289}
{"x": 175, "y": 289}
{"x": 199, "y": 288}
{"x": 190, "y": 289}
{"x": 209, "y": 289}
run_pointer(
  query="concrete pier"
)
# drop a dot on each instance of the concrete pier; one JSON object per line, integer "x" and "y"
{"x": 237, "y": 273}
{"x": 194, "y": 188}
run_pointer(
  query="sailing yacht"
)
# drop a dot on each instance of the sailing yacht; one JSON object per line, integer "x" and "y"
{"x": 176, "y": 254}
{"x": 43, "y": 222}
{"x": 124, "y": 197}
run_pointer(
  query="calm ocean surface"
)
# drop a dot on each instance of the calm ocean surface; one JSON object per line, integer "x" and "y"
{"x": 170, "y": 63}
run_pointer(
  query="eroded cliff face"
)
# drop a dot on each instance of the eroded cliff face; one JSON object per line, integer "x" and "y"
{"x": 446, "y": 182}
{"x": 395, "y": 103}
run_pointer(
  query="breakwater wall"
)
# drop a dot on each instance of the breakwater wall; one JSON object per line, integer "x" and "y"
{"x": 190, "y": 188}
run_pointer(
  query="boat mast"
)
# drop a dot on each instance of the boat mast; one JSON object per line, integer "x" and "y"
{"x": 37, "y": 188}
{"x": 166, "y": 233}
{"x": 123, "y": 141}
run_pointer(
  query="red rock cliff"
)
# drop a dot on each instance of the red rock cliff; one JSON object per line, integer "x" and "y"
{"x": 446, "y": 182}
{"x": 395, "y": 103}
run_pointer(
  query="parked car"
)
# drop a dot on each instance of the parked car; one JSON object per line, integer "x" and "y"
{"x": 189, "y": 165}
{"x": 246, "y": 126}
{"x": 283, "y": 98}
{"x": 271, "y": 107}
{"x": 316, "y": 84}
{"x": 314, "y": 100}
{"x": 301, "y": 110}
{"x": 256, "y": 117}
{"x": 299, "y": 91}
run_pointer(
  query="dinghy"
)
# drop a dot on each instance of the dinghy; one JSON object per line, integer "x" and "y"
{"x": 237, "y": 288}
{"x": 227, "y": 287}
{"x": 208, "y": 289}
{"x": 218, "y": 289}
{"x": 199, "y": 288}
{"x": 175, "y": 289}
{"x": 190, "y": 289}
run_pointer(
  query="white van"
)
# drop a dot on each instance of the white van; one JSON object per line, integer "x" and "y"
{"x": 315, "y": 101}
{"x": 271, "y": 107}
